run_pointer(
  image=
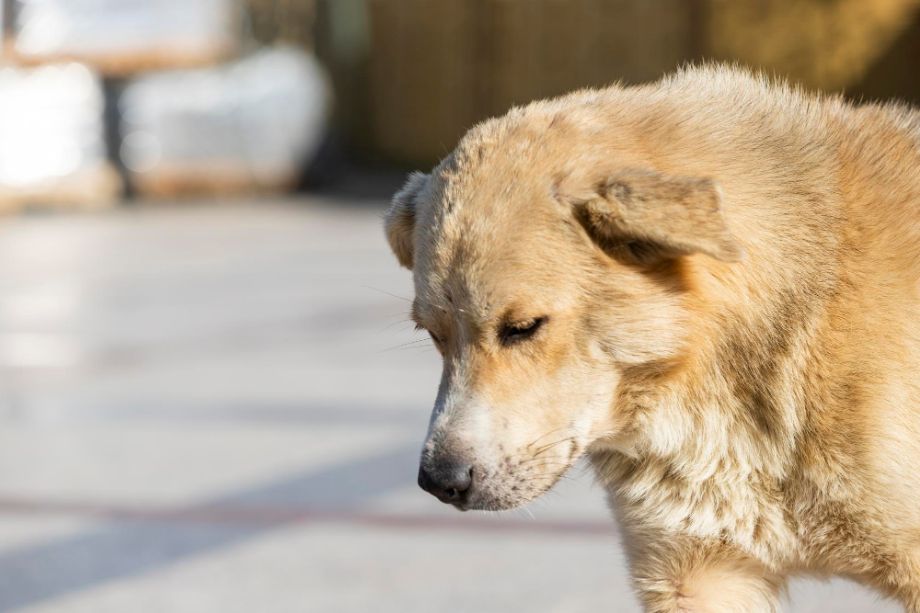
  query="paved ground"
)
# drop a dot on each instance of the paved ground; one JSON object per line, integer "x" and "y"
{"x": 219, "y": 409}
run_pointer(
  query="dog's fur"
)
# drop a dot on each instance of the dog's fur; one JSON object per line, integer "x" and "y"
{"x": 728, "y": 276}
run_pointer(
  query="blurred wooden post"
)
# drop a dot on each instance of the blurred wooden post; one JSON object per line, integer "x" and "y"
{"x": 342, "y": 45}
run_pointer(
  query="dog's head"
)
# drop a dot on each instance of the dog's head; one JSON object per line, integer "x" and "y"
{"x": 545, "y": 277}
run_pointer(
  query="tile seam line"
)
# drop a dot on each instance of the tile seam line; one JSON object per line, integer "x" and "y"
{"x": 279, "y": 516}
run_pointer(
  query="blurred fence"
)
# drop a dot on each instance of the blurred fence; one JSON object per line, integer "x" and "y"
{"x": 429, "y": 69}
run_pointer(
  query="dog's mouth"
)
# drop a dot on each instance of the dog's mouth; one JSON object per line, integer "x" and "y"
{"x": 513, "y": 482}
{"x": 513, "y": 492}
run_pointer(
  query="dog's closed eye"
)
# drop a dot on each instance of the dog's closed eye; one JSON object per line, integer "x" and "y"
{"x": 511, "y": 333}
{"x": 434, "y": 337}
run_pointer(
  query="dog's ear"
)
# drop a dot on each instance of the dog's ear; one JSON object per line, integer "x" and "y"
{"x": 399, "y": 221}
{"x": 651, "y": 216}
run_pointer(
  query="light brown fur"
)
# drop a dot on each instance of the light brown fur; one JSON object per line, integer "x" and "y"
{"x": 729, "y": 272}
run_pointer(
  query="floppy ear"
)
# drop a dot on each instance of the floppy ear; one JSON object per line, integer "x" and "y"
{"x": 656, "y": 216}
{"x": 399, "y": 221}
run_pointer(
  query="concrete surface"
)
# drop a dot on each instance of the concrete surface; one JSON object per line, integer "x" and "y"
{"x": 219, "y": 408}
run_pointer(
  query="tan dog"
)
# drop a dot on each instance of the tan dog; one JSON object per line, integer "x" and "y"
{"x": 710, "y": 286}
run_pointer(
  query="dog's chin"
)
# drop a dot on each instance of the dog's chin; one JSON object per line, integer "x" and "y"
{"x": 492, "y": 504}
{"x": 511, "y": 496}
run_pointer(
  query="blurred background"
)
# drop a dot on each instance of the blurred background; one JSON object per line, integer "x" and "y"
{"x": 211, "y": 398}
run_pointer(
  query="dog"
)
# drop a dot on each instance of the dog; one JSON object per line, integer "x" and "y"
{"x": 710, "y": 287}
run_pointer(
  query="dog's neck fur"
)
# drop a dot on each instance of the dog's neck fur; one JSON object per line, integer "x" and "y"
{"x": 733, "y": 413}
{"x": 739, "y": 395}
{"x": 682, "y": 449}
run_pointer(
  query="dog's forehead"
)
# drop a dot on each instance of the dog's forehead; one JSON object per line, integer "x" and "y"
{"x": 464, "y": 228}
{"x": 490, "y": 227}
{"x": 446, "y": 291}
{"x": 487, "y": 275}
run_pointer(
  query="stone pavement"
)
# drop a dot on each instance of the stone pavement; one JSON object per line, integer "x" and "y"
{"x": 219, "y": 408}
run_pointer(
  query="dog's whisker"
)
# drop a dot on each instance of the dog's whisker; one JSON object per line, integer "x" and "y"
{"x": 544, "y": 435}
{"x": 410, "y": 345}
{"x": 539, "y": 461}
{"x": 390, "y": 325}
{"x": 550, "y": 446}
{"x": 382, "y": 291}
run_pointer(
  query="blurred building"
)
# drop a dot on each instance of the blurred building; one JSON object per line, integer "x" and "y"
{"x": 102, "y": 98}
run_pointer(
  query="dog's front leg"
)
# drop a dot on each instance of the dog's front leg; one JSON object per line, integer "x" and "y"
{"x": 687, "y": 575}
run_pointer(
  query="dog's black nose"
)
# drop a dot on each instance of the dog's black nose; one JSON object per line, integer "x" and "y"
{"x": 449, "y": 482}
